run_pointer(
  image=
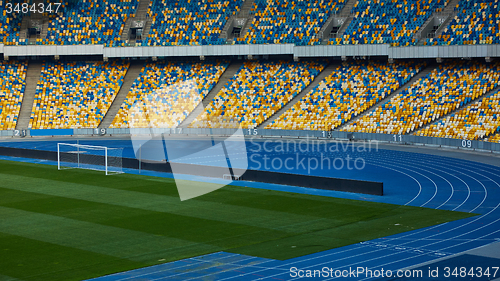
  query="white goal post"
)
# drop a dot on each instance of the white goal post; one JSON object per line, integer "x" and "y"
{"x": 91, "y": 157}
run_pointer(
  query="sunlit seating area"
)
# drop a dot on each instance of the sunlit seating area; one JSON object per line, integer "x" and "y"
{"x": 387, "y": 22}
{"x": 495, "y": 138}
{"x": 447, "y": 88}
{"x": 476, "y": 121}
{"x": 476, "y": 22}
{"x": 197, "y": 22}
{"x": 89, "y": 22}
{"x": 12, "y": 86}
{"x": 351, "y": 89}
{"x": 295, "y": 21}
{"x": 166, "y": 92}
{"x": 75, "y": 94}
{"x": 256, "y": 92}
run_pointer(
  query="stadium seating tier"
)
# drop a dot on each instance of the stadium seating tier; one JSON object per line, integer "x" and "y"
{"x": 201, "y": 22}
{"x": 387, "y": 22}
{"x": 296, "y": 21}
{"x": 475, "y": 121}
{"x": 446, "y": 88}
{"x": 89, "y": 22}
{"x": 352, "y": 88}
{"x": 12, "y": 87}
{"x": 494, "y": 138}
{"x": 166, "y": 92}
{"x": 256, "y": 92}
{"x": 197, "y": 22}
{"x": 75, "y": 94}
{"x": 476, "y": 22}
{"x": 10, "y": 27}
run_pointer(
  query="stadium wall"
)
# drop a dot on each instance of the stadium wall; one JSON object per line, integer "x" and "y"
{"x": 336, "y": 184}
{"x": 269, "y": 133}
{"x": 383, "y": 50}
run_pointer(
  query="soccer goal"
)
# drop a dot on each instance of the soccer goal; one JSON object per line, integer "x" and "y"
{"x": 99, "y": 158}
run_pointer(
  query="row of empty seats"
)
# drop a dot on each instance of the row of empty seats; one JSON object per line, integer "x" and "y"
{"x": 12, "y": 86}
{"x": 75, "y": 94}
{"x": 10, "y": 27}
{"x": 197, "y": 22}
{"x": 256, "y": 92}
{"x": 494, "y": 138}
{"x": 351, "y": 89}
{"x": 475, "y": 121}
{"x": 166, "y": 92}
{"x": 476, "y": 22}
{"x": 446, "y": 88}
{"x": 89, "y": 22}
{"x": 387, "y": 22}
{"x": 200, "y": 22}
{"x": 295, "y": 21}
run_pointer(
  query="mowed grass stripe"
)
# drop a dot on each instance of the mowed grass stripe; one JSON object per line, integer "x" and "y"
{"x": 29, "y": 259}
{"x": 217, "y": 211}
{"x": 157, "y": 223}
{"x": 97, "y": 238}
{"x": 8, "y": 278}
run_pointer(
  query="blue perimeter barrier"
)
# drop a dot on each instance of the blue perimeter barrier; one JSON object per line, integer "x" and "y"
{"x": 390, "y": 138}
{"x": 51, "y": 132}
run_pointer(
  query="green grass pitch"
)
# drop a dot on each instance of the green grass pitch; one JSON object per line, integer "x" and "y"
{"x": 78, "y": 224}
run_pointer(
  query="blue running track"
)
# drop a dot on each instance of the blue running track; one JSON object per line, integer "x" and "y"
{"x": 409, "y": 178}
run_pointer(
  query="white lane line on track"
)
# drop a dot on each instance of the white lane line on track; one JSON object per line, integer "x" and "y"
{"x": 173, "y": 268}
{"x": 477, "y": 206}
{"x": 442, "y": 240}
{"x": 469, "y": 241}
{"x": 484, "y": 187}
{"x": 420, "y": 189}
{"x": 407, "y": 203}
{"x": 406, "y": 235}
{"x": 435, "y": 186}
{"x": 238, "y": 266}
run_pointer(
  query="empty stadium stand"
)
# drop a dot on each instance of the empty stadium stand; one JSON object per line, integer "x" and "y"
{"x": 128, "y": 80}
{"x": 89, "y": 22}
{"x": 198, "y": 22}
{"x": 476, "y": 22}
{"x": 389, "y": 22}
{"x": 12, "y": 86}
{"x": 230, "y": 71}
{"x": 166, "y": 92}
{"x": 10, "y": 28}
{"x": 297, "y": 21}
{"x": 317, "y": 80}
{"x": 422, "y": 73}
{"x": 350, "y": 89}
{"x": 75, "y": 94}
{"x": 494, "y": 138}
{"x": 448, "y": 87}
{"x": 256, "y": 92}
{"x": 476, "y": 121}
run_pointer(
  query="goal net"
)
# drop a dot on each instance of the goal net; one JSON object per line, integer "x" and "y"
{"x": 100, "y": 158}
